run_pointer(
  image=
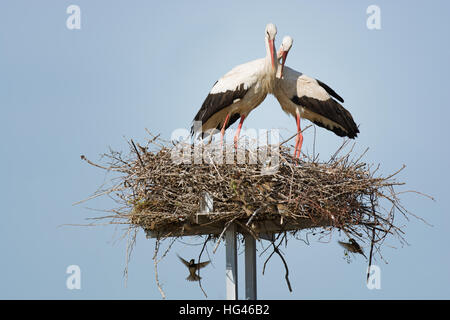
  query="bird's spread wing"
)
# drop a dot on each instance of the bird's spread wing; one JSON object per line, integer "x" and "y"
{"x": 232, "y": 87}
{"x": 184, "y": 261}
{"x": 346, "y": 245}
{"x": 352, "y": 248}
{"x": 202, "y": 264}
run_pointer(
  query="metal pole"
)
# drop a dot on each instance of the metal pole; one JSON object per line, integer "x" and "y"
{"x": 231, "y": 271}
{"x": 250, "y": 267}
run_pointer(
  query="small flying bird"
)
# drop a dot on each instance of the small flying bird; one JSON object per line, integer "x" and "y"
{"x": 305, "y": 97}
{"x": 352, "y": 246}
{"x": 193, "y": 267}
{"x": 238, "y": 92}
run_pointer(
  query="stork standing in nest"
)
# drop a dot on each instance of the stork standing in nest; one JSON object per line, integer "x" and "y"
{"x": 239, "y": 91}
{"x": 305, "y": 97}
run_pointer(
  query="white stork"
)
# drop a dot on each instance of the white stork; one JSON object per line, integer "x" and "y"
{"x": 239, "y": 91}
{"x": 305, "y": 97}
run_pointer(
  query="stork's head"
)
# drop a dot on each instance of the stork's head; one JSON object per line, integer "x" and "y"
{"x": 271, "y": 32}
{"x": 286, "y": 45}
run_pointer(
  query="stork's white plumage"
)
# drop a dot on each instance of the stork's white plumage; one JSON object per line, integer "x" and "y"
{"x": 305, "y": 97}
{"x": 239, "y": 91}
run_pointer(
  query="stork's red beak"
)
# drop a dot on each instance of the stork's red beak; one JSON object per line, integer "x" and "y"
{"x": 272, "y": 50}
{"x": 283, "y": 61}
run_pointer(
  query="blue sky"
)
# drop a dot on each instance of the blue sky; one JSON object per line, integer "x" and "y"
{"x": 141, "y": 64}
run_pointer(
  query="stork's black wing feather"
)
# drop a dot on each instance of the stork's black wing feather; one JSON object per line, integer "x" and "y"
{"x": 233, "y": 118}
{"x": 330, "y": 91}
{"x": 215, "y": 102}
{"x": 332, "y": 110}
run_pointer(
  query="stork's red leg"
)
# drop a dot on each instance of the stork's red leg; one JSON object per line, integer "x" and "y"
{"x": 298, "y": 145}
{"x": 222, "y": 132}
{"x": 236, "y": 137}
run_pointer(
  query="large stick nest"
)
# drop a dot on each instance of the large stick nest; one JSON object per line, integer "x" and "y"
{"x": 164, "y": 197}
{"x": 160, "y": 195}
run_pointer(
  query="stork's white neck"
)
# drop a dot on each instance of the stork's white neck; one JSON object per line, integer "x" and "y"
{"x": 268, "y": 77}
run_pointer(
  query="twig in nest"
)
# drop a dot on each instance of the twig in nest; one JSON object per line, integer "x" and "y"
{"x": 198, "y": 270}
{"x": 137, "y": 153}
{"x": 301, "y": 131}
{"x": 221, "y": 235}
{"x": 286, "y": 276}
{"x": 371, "y": 253}
{"x": 372, "y": 202}
{"x": 83, "y": 157}
{"x": 155, "y": 263}
{"x": 131, "y": 241}
{"x": 253, "y": 215}
{"x": 277, "y": 251}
